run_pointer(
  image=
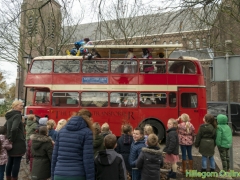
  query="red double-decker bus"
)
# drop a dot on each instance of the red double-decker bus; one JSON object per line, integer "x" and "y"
{"x": 117, "y": 89}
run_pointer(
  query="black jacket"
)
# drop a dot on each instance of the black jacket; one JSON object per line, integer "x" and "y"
{"x": 15, "y": 133}
{"x": 109, "y": 165}
{"x": 41, "y": 150}
{"x": 150, "y": 161}
{"x": 123, "y": 148}
{"x": 172, "y": 142}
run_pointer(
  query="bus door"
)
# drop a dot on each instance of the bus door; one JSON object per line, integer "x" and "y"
{"x": 189, "y": 103}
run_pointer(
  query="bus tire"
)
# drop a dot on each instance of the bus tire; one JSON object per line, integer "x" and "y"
{"x": 158, "y": 128}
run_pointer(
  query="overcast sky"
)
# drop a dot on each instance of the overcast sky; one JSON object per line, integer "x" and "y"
{"x": 10, "y": 71}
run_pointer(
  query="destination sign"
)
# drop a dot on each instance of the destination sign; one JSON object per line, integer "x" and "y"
{"x": 95, "y": 80}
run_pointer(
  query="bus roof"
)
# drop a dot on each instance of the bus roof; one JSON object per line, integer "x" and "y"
{"x": 120, "y": 50}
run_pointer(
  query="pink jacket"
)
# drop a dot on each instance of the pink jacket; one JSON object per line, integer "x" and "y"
{"x": 6, "y": 145}
{"x": 186, "y": 138}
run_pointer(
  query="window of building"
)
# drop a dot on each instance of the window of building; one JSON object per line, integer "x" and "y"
{"x": 93, "y": 66}
{"x": 204, "y": 43}
{"x": 66, "y": 66}
{"x": 170, "y": 42}
{"x": 189, "y": 100}
{"x": 164, "y": 42}
{"x": 123, "y": 99}
{"x": 197, "y": 43}
{"x": 68, "y": 99}
{"x": 41, "y": 66}
{"x": 176, "y": 42}
{"x": 154, "y": 99}
{"x": 172, "y": 99}
{"x": 123, "y": 66}
{"x": 190, "y": 44}
{"x": 181, "y": 67}
{"x": 94, "y": 99}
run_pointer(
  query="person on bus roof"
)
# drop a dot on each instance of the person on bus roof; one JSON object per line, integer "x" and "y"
{"x": 147, "y": 65}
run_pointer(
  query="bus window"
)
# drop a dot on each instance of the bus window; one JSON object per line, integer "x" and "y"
{"x": 93, "y": 66}
{"x": 154, "y": 99}
{"x": 94, "y": 99}
{"x": 189, "y": 100}
{"x": 41, "y": 67}
{"x": 66, "y": 66}
{"x": 42, "y": 97}
{"x": 123, "y": 99}
{"x": 182, "y": 67}
{"x": 160, "y": 66}
{"x": 147, "y": 66}
{"x": 65, "y": 99}
{"x": 123, "y": 66}
{"x": 172, "y": 99}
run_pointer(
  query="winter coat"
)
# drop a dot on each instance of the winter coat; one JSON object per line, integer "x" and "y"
{"x": 110, "y": 165}
{"x": 30, "y": 127}
{"x": 224, "y": 132}
{"x": 205, "y": 139}
{"x": 41, "y": 150}
{"x": 123, "y": 148}
{"x": 29, "y": 154}
{"x": 150, "y": 161}
{"x": 73, "y": 151}
{"x": 172, "y": 142}
{"x": 98, "y": 144}
{"x": 15, "y": 133}
{"x": 186, "y": 138}
{"x": 53, "y": 134}
{"x": 136, "y": 148}
{"x": 6, "y": 145}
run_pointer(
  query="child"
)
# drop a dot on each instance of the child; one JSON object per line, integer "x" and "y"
{"x": 98, "y": 144}
{"x": 124, "y": 145}
{"x": 136, "y": 148}
{"x": 186, "y": 132}
{"x": 205, "y": 140}
{"x": 147, "y": 130}
{"x": 51, "y": 132}
{"x": 4, "y": 146}
{"x": 61, "y": 123}
{"x": 224, "y": 140}
{"x": 172, "y": 147}
{"x": 42, "y": 148}
{"x": 31, "y": 126}
{"x": 105, "y": 130}
{"x": 150, "y": 159}
{"x": 109, "y": 164}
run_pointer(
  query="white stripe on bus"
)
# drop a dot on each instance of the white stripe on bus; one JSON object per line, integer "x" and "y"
{"x": 87, "y": 87}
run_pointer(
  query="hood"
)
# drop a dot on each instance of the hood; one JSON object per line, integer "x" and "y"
{"x": 43, "y": 121}
{"x": 11, "y": 113}
{"x": 156, "y": 151}
{"x": 76, "y": 123}
{"x": 127, "y": 139}
{"x": 107, "y": 156}
{"x": 30, "y": 122}
{"x": 38, "y": 140}
{"x": 172, "y": 129}
{"x": 222, "y": 119}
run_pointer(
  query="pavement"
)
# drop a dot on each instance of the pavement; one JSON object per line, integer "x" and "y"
{"x": 24, "y": 173}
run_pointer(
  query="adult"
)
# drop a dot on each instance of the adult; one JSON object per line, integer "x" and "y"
{"x": 15, "y": 133}
{"x": 72, "y": 157}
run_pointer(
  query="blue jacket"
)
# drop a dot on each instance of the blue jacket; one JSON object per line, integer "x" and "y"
{"x": 136, "y": 149}
{"x": 53, "y": 134}
{"x": 73, "y": 151}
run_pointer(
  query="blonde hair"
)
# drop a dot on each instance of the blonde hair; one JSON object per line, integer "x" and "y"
{"x": 174, "y": 122}
{"x": 51, "y": 124}
{"x": 105, "y": 127}
{"x": 15, "y": 103}
{"x": 148, "y": 129}
{"x": 31, "y": 117}
{"x": 152, "y": 140}
{"x": 61, "y": 123}
{"x": 86, "y": 115}
{"x": 97, "y": 128}
{"x": 185, "y": 118}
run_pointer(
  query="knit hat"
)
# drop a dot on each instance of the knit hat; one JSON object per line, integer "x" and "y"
{"x": 43, "y": 121}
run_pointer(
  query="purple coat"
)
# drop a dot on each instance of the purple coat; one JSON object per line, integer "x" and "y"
{"x": 6, "y": 145}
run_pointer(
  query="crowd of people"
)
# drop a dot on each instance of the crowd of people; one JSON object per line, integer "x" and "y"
{"x": 78, "y": 149}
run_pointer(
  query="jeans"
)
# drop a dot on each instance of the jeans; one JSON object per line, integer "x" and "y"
{"x": 136, "y": 174}
{"x": 13, "y": 166}
{"x": 224, "y": 157}
{"x": 188, "y": 149}
{"x": 2, "y": 170}
{"x": 204, "y": 162}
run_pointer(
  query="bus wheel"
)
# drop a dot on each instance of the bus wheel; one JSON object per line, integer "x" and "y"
{"x": 157, "y": 128}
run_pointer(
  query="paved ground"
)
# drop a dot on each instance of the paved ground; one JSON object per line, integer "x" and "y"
{"x": 25, "y": 175}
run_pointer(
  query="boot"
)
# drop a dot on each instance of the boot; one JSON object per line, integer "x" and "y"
{"x": 190, "y": 164}
{"x": 169, "y": 173}
{"x": 183, "y": 170}
{"x": 173, "y": 175}
{"x": 212, "y": 170}
{"x": 203, "y": 170}
{"x": 8, "y": 177}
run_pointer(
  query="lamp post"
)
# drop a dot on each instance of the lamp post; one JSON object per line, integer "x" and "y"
{"x": 18, "y": 80}
{"x": 28, "y": 59}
